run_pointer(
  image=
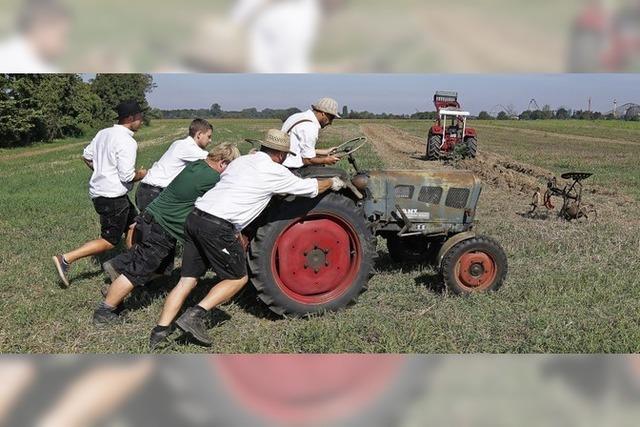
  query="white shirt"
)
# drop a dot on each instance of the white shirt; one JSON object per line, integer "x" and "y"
{"x": 113, "y": 153}
{"x": 180, "y": 154}
{"x": 246, "y": 187}
{"x": 18, "y": 56}
{"x": 303, "y": 138}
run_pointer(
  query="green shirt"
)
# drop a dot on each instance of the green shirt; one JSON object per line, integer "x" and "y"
{"x": 171, "y": 208}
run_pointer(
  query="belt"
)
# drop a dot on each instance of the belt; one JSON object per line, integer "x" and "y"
{"x": 214, "y": 219}
{"x": 144, "y": 184}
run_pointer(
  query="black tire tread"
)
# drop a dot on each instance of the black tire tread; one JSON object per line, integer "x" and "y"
{"x": 433, "y": 147}
{"x": 472, "y": 146}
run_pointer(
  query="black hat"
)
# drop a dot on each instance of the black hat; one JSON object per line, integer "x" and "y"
{"x": 128, "y": 108}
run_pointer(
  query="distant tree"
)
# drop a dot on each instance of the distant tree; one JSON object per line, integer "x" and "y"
{"x": 502, "y": 115}
{"x": 345, "y": 111}
{"x": 115, "y": 88}
{"x": 525, "y": 115}
{"x": 215, "y": 110}
{"x": 483, "y": 115}
{"x": 546, "y": 113}
{"x": 562, "y": 113}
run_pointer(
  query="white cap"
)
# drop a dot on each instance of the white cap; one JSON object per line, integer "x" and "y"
{"x": 327, "y": 105}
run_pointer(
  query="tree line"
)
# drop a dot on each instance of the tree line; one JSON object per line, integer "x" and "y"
{"x": 560, "y": 114}
{"x": 44, "y": 107}
{"x": 216, "y": 112}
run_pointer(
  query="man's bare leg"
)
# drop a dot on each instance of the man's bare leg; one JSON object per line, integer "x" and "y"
{"x": 223, "y": 292}
{"x": 93, "y": 247}
{"x": 118, "y": 291}
{"x": 172, "y": 305}
{"x": 176, "y": 299}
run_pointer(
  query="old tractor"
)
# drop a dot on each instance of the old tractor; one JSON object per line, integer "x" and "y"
{"x": 316, "y": 255}
{"x": 450, "y": 128}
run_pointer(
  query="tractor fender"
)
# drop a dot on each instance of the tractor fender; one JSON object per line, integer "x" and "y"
{"x": 470, "y": 132}
{"x": 452, "y": 241}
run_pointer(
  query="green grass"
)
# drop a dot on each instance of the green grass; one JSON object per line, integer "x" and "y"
{"x": 571, "y": 287}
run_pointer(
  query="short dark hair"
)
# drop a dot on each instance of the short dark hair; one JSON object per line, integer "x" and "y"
{"x": 199, "y": 125}
{"x": 41, "y": 12}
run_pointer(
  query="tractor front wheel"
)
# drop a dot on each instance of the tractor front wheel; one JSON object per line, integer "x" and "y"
{"x": 312, "y": 255}
{"x": 433, "y": 147}
{"x": 474, "y": 265}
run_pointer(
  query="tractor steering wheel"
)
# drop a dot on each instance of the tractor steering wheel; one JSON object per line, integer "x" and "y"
{"x": 349, "y": 147}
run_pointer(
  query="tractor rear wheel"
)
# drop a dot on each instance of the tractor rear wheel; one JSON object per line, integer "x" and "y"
{"x": 412, "y": 249}
{"x": 433, "y": 147}
{"x": 474, "y": 265}
{"x": 472, "y": 146}
{"x": 312, "y": 255}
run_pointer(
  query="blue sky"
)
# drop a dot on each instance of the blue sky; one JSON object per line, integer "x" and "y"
{"x": 396, "y": 93}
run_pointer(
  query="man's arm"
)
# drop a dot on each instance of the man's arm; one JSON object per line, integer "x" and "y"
{"x": 87, "y": 154}
{"x": 310, "y": 156}
{"x": 323, "y": 160}
{"x": 126, "y": 160}
{"x": 324, "y": 185}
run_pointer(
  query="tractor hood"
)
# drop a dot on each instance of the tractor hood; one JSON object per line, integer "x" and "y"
{"x": 434, "y": 195}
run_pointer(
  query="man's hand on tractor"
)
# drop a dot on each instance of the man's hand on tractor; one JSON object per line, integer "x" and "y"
{"x": 330, "y": 160}
{"x": 337, "y": 184}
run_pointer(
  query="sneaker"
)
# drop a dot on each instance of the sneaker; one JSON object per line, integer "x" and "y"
{"x": 192, "y": 322}
{"x": 111, "y": 271}
{"x": 158, "y": 336}
{"x": 104, "y": 317}
{"x": 63, "y": 268}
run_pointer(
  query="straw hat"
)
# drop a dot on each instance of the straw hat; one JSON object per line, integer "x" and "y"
{"x": 277, "y": 140}
{"x": 327, "y": 105}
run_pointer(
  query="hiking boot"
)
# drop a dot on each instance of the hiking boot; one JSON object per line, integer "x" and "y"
{"x": 105, "y": 317}
{"x": 192, "y": 322}
{"x": 111, "y": 271}
{"x": 158, "y": 336}
{"x": 62, "y": 267}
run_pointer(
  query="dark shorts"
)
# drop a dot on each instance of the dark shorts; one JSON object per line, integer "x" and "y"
{"x": 153, "y": 252}
{"x": 146, "y": 194}
{"x": 211, "y": 242}
{"x": 116, "y": 214}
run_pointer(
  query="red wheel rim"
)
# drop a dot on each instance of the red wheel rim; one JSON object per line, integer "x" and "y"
{"x": 316, "y": 258}
{"x": 475, "y": 270}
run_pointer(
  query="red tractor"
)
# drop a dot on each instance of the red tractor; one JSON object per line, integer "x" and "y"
{"x": 450, "y": 128}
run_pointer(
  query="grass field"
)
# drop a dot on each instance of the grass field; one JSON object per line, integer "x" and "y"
{"x": 572, "y": 287}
